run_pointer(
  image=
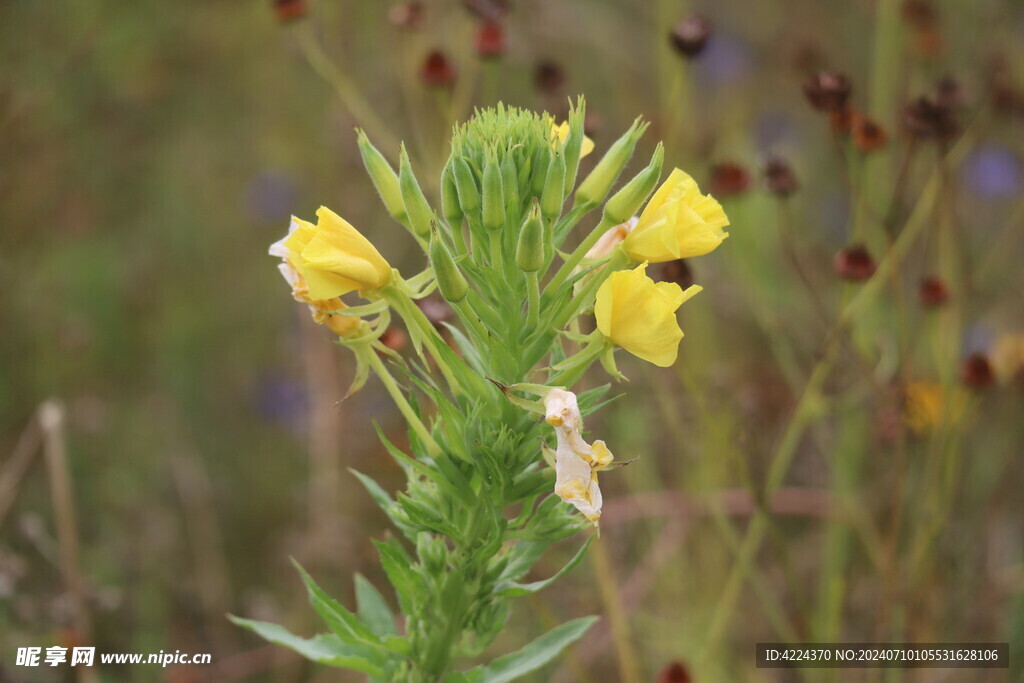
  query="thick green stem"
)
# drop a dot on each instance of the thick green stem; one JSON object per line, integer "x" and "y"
{"x": 371, "y": 357}
{"x": 574, "y": 259}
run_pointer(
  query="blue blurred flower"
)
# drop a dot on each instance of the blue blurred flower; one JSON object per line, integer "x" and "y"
{"x": 270, "y": 197}
{"x": 280, "y": 399}
{"x": 726, "y": 59}
{"x": 993, "y": 172}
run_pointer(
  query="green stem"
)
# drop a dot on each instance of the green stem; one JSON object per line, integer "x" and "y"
{"x": 422, "y": 330}
{"x": 533, "y": 300}
{"x": 371, "y": 357}
{"x": 577, "y": 255}
{"x": 472, "y": 322}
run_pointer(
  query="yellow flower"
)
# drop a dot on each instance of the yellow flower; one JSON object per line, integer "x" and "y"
{"x": 334, "y": 258}
{"x": 576, "y": 462}
{"x": 320, "y": 309}
{"x": 639, "y": 314}
{"x": 562, "y": 133}
{"x": 923, "y": 406}
{"x": 678, "y": 222}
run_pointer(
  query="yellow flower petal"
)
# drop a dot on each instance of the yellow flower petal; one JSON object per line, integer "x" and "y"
{"x": 639, "y": 315}
{"x": 678, "y": 222}
{"x": 561, "y": 132}
{"x": 336, "y": 258}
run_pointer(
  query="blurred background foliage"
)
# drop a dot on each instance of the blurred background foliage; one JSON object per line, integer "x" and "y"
{"x": 151, "y": 151}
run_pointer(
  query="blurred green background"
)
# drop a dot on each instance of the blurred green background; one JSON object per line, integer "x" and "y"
{"x": 151, "y": 151}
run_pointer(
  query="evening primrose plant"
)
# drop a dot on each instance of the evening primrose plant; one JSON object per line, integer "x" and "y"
{"x": 494, "y": 427}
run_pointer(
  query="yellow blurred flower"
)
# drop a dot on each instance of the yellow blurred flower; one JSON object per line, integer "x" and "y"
{"x": 561, "y": 132}
{"x": 1008, "y": 356}
{"x": 923, "y": 406}
{"x": 319, "y": 308}
{"x": 333, "y": 258}
{"x": 638, "y": 314}
{"x": 576, "y": 462}
{"x": 678, "y": 222}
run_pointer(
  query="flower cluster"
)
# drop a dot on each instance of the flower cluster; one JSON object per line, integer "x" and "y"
{"x": 475, "y": 507}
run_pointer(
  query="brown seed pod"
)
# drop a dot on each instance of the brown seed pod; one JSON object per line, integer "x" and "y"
{"x": 779, "y": 178}
{"x": 675, "y": 672}
{"x": 728, "y": 179}
{"x": 932, "y": 292}
{"x": 854, "y": 263}
{"x": 677, "y": 271}
{"x": 290, "y": 10}
{"x": 490, "y": 40}
{"x": 828, "y": 91}
{"x": 548, "y": 76}
{"x": 690, "y": 35}
{"x": 976, "y": 371}
{"x": 437, "y": 70}
{"x": 868, "y": 135}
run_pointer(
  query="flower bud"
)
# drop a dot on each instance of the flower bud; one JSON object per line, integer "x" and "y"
{"x": 530, "y": 250}
{"x": 383, "y": 177}
{"x": 539, "y": 170}
{"x": 450, "y": 280}
{"x": 627, "y": 201}
{"x": 828, "y": 90}
{"x": 493, "y": 195}
{"x": 416, "y": 206}
{"x": 574, "y": 143}
{"x": 510, "y": 184}
{"x": 465, "y": 184}
{"x": 554, "y": 186}
{"x": 595, "y": 186}
{"x": 450, "y": 198}
{"x": 432, "y": 551}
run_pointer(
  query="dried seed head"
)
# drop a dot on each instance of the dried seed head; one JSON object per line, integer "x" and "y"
{"x": 920, "y": 14}
{"x": 728, "y": 179}
{"x": 976, "y": 371}
{"x": 779, "y": 178}
{"x": 407, "y": 14}
{"x": 290, "y": 10}
{"x": 868, "y": 135}
{"x": 932, "y": 292}
{"x": 828, "y": 90}
{"x": 691, "y": 35}
{"x": 437, "y": 70}
{"x": 677, "y": 271}
{"x": 548, "y": 76}
{"x": 676, "y": 672}
{"x": 927, "y": 118}
{"x": 854, "y": 263}
{"x": 949, "y": 93}
{"x": 490, "y": 40}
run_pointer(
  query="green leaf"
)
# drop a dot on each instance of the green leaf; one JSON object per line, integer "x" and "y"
{"x": 340, "y": 620}
{"x": 511, "y": 588}
{"x": 398, "y": 566}
{"x": 536, "y": 654}
{"x": 325, "y": 649}
{"x": 373, "y": 608}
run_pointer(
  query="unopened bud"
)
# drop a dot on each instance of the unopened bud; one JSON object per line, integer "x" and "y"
{"x": 432, "y": 551}
{"x": 450, "y": 199}
{"x": 627, "y": 201}
{"x": 383, "y": 177}
{"x": 539, "y": 170}
{"x": 465, "y": 184}
{"x": 574, "y": 142}
{"x": 493, "y": 195}
{"x": 595, "y": 187}
{"x": 450, "y": 280}
{"x": 530, "y": 250}
{"x": 510, "y": 184}
{"x": 554, "y": 186}
{"x": 416, "y": 205}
